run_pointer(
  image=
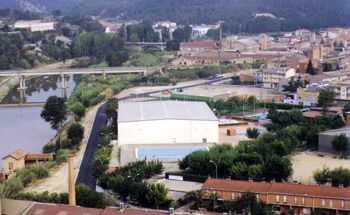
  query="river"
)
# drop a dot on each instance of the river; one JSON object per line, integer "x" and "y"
{"x": 22, "y": 127}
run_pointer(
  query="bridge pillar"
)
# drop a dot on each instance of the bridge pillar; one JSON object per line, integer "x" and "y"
{"x": 22, "y": 83}
{"x": 64, "y": 86}
{"x": 161, "y": 47}
{"x": 140, "y": 47}
{"x": 104, "y": 74}
{"x": 22, "y": 95}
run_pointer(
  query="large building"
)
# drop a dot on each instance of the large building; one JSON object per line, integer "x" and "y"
{"x": 272, "y": 77}
{"x": 303, "y": 199}
{"x": 35, "y": 25}
{"x": 166, "y": 122}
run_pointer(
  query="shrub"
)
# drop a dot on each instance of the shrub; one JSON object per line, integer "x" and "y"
{"x": 79, "y": 110}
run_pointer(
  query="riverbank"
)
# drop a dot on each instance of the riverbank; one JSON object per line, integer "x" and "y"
{"x": 6, "y": 85}
{"x": 58, "y": 180}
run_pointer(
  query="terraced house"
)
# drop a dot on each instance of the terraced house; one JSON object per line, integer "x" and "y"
{"x": 283, "y": 197}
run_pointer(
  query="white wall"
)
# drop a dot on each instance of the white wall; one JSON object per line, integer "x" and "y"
{"x": 167, "y": 132}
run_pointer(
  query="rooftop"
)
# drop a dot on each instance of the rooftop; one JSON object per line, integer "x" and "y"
{"x": 160, "y": 110}
{"x": 208, "y": 44}
{"x": 18, "y": 154}
{"x": 277, "y": 188}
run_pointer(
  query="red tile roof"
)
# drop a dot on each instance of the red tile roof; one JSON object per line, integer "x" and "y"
{"x": 58, "y": 209}
{"x": 207, "y": 44}
{"x": 277, "y": 188}
{"x": 18, "y": 154}
{"x": 132, "y": 211}
{"x": 34, "y": 157}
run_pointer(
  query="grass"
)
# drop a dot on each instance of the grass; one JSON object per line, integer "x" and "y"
{"x": 145, "y": 59}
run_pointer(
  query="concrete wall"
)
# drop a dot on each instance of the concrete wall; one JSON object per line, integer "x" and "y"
{"x": 167, "y": 132}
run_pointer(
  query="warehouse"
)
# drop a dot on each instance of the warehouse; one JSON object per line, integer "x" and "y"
{"x": 166, "y": 122}
{"x": 325, "y": 139}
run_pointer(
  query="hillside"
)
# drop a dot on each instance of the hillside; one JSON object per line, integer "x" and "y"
{"x": 237, "y": 14}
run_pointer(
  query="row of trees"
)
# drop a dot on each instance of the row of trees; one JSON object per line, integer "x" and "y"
{"x": 336, "y": 177}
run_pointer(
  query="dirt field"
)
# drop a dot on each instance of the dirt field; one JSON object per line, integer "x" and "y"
{"x": 305, "y": 163}
{"x": 240, "y": 130}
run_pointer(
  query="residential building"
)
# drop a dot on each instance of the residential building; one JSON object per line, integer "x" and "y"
{"x": 342, "y": 90}
{"x": 303, "y": 199}
{"x": 166, "y": 122}
{"x": 198, "y": 46}
{"x": 235, "y": 43}
{"x": 315, "y": 54}
{"x": 202, "y": 30}
{"x": 298, "y": 62}
{"x": 19, "y": 159}
{"x": 35, "y": 25}
{"x": 308, "y": 96}
{"x": 325, "y": 138}
{"x": 272, "y": 77}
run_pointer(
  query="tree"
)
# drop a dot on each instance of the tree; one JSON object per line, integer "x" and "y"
{"x": 293, "y": 85}
{"x": 75, "y": 133}
{"x": 54, "y": 111}
{"x": 156, "y": 194}
{"x": 195, "y": 196}
{"x": 326, "y": 99}
{"x": 253, "y": 133}
{"x": 322, "y": 176}
{"x": 340, "y": 143}
{"x": 277, "y": 168}
{"x": 310, "y": 68}
{"x": 89, "y": 198}
{"x": 78, "y": 110}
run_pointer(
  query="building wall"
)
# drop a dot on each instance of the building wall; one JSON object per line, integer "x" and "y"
{"x": 17, "y": 164}
{"x": 287, "y": 201}
{"x": 14, "y": 207}
{"x": 325, "y": 143}
{"x": 307, "y": 98}
{"x": 167, "y": 132}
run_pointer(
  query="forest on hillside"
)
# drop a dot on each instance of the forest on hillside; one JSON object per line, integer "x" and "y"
{"x": 236, "y": 14}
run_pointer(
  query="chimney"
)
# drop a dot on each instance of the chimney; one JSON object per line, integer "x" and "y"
{"x": 71, "y": 186}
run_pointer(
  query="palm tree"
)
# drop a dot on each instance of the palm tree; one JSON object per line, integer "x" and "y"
{"x": 196, "y": 196}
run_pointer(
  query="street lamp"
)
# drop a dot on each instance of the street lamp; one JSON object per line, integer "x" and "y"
{"x": 216, "y": 168}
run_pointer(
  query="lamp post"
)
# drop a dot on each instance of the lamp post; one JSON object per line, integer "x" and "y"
{"x": 216, "y": 168}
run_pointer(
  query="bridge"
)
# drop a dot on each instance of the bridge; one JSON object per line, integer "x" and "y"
{"x": 76, "y": 71}
{"x": 142, "y": 45}
{"x": 31, "y": 104}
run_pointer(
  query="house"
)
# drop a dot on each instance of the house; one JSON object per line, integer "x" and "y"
{"x": 303, "y": 199}
{"x": 247, "y": 44}
{"x": 166, "y": 122}
{"x": 198, "y": 46}
{"x": 19, "y": 159}
{"x": 35, "y": 25}
{"x": 316, "y": 54}
{"x": 210, "y": 58}
{"x": 298, "y": 62}
{"x": 202, "y": 30}
{"x": 308, "y": 97}
{"x": 272, "y": 77}
{"x": 325, "y": 139}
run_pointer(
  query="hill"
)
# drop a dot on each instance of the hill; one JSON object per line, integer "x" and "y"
{"x": 237, "y": 14}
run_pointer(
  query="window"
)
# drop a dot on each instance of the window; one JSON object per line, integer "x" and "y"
{"x": 257, "y": 197}
{"x": 303, "y": 201}
{"x": 233, "y": 196}
{"x": 342, "y": 204}
{"x": 285, "y": 199}
{"x": 10, "y": 166}
{"x": 277, "y": 198}
{"x": 296, "y": 200}
{"x": 323, "y": 202}
{"x": 331, "y": 203}
{"x": 204, "y": 140}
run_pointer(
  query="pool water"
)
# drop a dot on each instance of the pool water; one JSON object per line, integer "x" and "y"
{"x": 166, "y": 152}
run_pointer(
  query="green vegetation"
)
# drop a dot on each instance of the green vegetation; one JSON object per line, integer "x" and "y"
{"x": 54, "y": 111}
{"x": 87, "y": 23}
{"x": 26, "y": 176}
{"x": 13, "y": 53}
{"x": 84, "y": 197}
{"x": 139, "y": 32}
{"x": 237, "y": 15}
{"x": 75, "y": 134}
{"x": 338, "y": 176}
{"x": 293, "y": 85}
{"x": 326, "y": 99}
{"x": 310, "y": 69}
{"x": 253, "y": 133}
{"x": 145, "y": 59}
{"x": 100, "y": 46}
{"x": 232, "y": 105}
{"x": 184, "y": 97}
{"x": 340, "y": 143}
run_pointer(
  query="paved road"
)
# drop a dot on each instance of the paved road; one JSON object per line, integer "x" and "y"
{"x": 84, "y": 175}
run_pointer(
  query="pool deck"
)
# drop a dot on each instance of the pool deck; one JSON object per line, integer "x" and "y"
{"x": 127, "y": 152}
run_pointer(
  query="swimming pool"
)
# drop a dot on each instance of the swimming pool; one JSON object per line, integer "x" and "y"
{"x": 166, "y": 152}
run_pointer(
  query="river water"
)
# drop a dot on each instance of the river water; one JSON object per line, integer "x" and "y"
{"x": 22, "y": 127}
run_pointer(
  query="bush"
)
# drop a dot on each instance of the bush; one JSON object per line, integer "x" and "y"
{"x": 12, "y": 186}
{"x": 49, "y": 148}
{"x": 79, "y": 110}
{"x": 75, "y": 130}
{"x": 61, "y": 156}
{"x": 89, "y": 198}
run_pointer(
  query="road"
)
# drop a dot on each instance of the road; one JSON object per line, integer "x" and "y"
{"x": 84, "y": 175}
